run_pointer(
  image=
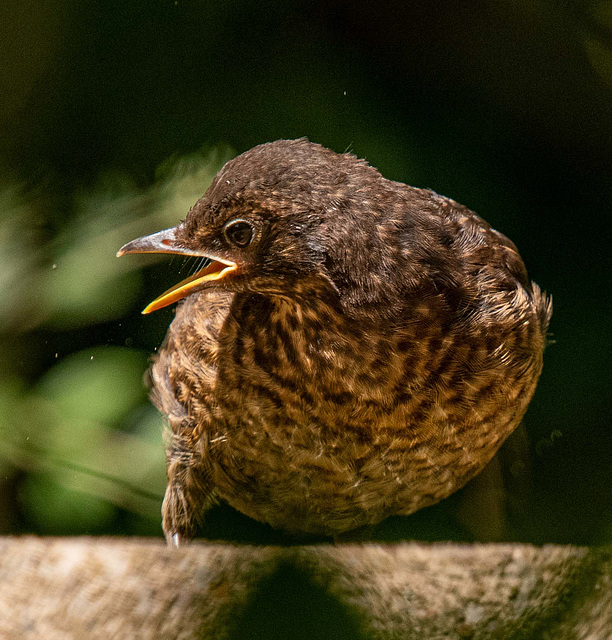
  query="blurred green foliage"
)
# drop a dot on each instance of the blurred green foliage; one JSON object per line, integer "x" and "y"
{"x": 83, "y": 436}
{"x": 114, "y": 118}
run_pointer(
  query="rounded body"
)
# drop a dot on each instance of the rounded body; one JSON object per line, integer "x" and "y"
{"x": 319, "y": 421}
{"x": 357, "y": 348}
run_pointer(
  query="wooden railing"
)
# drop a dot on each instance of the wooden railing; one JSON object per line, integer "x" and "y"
{"x": 90, "y": 588}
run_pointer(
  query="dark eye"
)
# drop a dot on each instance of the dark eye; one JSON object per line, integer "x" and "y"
{"x": 239, "y": 232}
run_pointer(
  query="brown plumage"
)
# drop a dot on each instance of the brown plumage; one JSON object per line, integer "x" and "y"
{"x": 356, "y": 348}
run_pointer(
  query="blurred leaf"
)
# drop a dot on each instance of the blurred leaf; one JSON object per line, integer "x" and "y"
{"x": 85, "y": 455}
{"x": 76, "y": 280}
{"x": 12, "y": 391}
{"x": 182, "y": 180}
{"x": 89, "y": 284}
{"x": 83, "y": 292}
{"x": 54, "y": 508}
{"x": 62, "y": 431}
{"x": 600, "y": 57}
{"x": 99, "y": 384}
{"x": 20, "y": 256}
{"x": 602, "y": 12}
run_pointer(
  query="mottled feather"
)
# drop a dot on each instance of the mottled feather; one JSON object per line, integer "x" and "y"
{"x": 374, "y": 349}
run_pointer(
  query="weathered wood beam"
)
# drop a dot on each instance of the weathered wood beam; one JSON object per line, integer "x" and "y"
{"x": 90, "y": 588}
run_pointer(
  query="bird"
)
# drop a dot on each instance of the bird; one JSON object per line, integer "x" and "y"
{"x": 352, "y": 348}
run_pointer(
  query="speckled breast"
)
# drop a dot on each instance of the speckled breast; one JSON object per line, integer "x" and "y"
{"x": 326, "y": 424}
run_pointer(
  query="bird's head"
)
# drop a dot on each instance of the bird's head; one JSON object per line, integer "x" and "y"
{"x": 268, "y": 221}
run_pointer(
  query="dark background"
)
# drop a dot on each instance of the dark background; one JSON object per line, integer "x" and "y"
{"x": 114, "y": 116}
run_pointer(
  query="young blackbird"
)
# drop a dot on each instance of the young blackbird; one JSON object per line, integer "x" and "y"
{"x": 354, "y": 347}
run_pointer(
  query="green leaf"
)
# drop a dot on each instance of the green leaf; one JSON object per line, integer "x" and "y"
{"x": 100, "y": 384}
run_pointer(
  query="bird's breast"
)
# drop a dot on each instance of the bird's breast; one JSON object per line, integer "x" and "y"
{"x": 323, "y": 422}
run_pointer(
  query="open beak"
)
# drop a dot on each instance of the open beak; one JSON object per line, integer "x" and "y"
{"x": 165, "y": 242}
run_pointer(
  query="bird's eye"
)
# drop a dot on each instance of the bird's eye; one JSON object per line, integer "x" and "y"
{"x": 239, "y": 232}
